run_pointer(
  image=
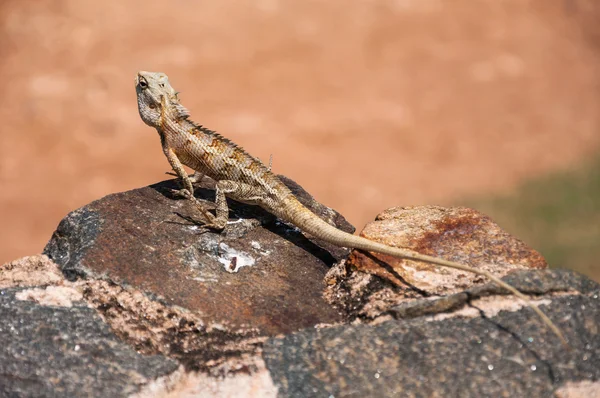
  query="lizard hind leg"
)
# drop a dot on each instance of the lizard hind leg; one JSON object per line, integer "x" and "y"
{"x": 237, "y": 191}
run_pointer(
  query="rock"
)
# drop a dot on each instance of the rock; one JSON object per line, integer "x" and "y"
{"x": 579, "y": 389}
{"x": 509, "y": 353}
{"x": 54, "y": 351}
{"x": 537, "y": 283}
{"x": 370, "y": 283}
{"x": 145, "y": 239}
{"x": 254, "y": 384}
{"x": 174, "y": 310}
{"x": 457, "y": 234}
{"x": 152, "y": 327}
{"x": 141, "y": 322}
{"x": 30, "y": 271}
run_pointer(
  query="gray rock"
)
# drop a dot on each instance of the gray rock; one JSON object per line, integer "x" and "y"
{"x": 508, "y": 354}
{"x": 245, "y": 302}
{"x": 50, "y": 351}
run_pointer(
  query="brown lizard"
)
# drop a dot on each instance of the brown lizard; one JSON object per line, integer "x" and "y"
{"x": 244, "y": 178}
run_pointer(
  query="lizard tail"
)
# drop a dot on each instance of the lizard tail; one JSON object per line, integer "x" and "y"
{"x": 314, "y": 225}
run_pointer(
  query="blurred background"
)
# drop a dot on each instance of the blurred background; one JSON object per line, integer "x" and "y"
{"x": 368, "y": 104}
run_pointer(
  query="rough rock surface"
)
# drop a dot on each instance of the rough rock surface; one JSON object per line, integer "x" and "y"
{"x": 457, "y": 234}
{"x": 149, "y": 305}
{"x": 144, "y": 323}
{"x": 30, "y": 271}
{"x": 145, "y": 238}
{"x": 54, "y": 351}
{"x": 367, "y": 284}
{"x": 510, "y": 354}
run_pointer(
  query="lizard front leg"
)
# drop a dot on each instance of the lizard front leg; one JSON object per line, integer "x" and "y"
{"x": 188, "y": 190}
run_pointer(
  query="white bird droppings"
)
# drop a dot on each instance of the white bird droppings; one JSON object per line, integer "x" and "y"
{"x": 234, "y": 259}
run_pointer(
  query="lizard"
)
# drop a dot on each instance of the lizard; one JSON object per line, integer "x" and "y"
{"x": 244, "y": 178}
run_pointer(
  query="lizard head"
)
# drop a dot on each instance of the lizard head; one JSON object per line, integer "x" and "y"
{"x": 153, "y": 93}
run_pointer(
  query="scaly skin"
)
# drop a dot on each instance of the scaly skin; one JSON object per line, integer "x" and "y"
{"x": 244, "y": 178}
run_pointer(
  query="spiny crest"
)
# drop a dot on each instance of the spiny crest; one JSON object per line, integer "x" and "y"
{"x": 180, "y": 111}
{"x": 222, "y": 139}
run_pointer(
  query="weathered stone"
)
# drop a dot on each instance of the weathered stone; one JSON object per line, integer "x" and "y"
{"x": 52, "y": 351}
{"x": 508, "y": 354}
{"x": 457, "y": 234}
{"x": 165, "y": 287}
{"x": 579, "y": 389}
{"x": 151, "y": 327}
{"x": 368, "y": 284}
{"x": 148, "y": 325}
{"x": 536, "y": 283}
{"x": 144, "y": 238}
{"x": 30, "y": 271}
{"x": 254, "y": 384}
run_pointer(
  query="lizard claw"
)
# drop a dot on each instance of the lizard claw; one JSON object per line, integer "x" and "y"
{"x": 213, "y": 223}
{"x": 182, "y": 193}
{"x": 211, "y": 227}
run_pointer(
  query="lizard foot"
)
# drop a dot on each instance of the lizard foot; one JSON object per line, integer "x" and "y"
{"x": 182, "y": 193}
{"x": 214, "y": 223}
{"x": 213, "y": 227}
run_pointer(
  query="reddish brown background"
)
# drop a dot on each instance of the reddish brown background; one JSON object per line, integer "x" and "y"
{"x": 367, "y": 104}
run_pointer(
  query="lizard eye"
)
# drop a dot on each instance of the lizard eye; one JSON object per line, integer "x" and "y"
{"x": 143, "y": 83}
